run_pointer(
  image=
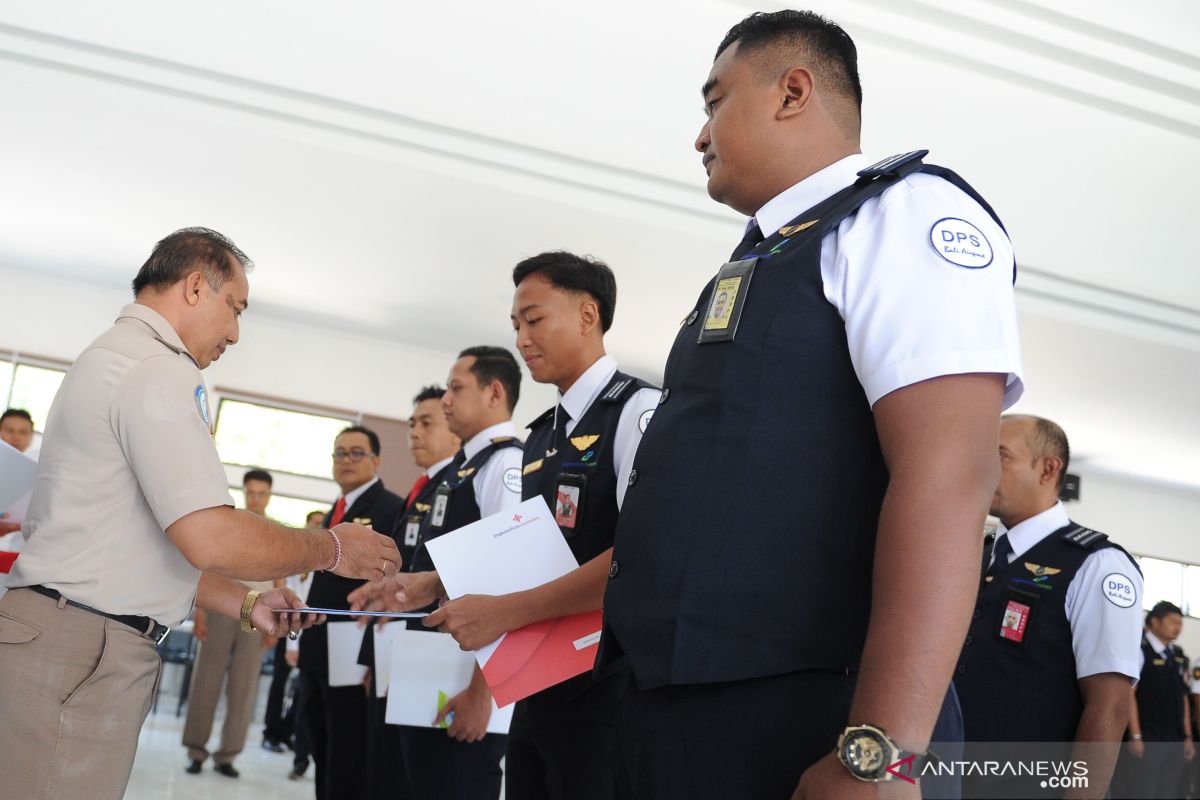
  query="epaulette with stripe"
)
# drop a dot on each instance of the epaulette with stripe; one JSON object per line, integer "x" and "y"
{"x": 895, "y": 165}
{"x": 1084, "y": 537}
{"x": 617, "y": 391}
{"x": 545, "y": 417}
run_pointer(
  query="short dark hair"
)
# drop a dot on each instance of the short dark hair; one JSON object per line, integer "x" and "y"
{"x": 185, "y": 250}
{"x": 573, "y": 273}
{"x": 1047, "y": 439}
{"x": 1163, "y": 609}
{"x": 496, "y": 364}
{"x": 17, "y": 413}
{"x": 430, "y": 392}
{"x": 311, "y": 514}
{"x": 371, "y": 435}
{"x": 835, "y": 58}
{"x": 258, "y": 475}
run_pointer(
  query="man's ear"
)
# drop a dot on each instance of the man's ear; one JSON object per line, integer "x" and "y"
{"x": 797, "y": 92}
{"x": 192, "y": 286}
{"x": 589, "y": 315}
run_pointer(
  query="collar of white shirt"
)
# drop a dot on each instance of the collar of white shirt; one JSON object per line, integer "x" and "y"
{"x": 438, "y": 467}
{"x": 352, "y": 498}
{"x": 1025, "y": 535}
{"x": 583, "y": 391}
{"x": 485, "y": 436}
{"x": 790, "y": 203}
{"x": 158, "y": 323}
{"x": 1156, "y": 643}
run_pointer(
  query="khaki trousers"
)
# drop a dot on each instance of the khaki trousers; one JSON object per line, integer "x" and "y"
{"x": 228, "y": 652}
{"x": 75, "y": 689}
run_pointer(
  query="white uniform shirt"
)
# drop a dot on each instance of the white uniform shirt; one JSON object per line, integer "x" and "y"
{"x": 1106, "y": 627}
{"x": 912, "y": 314}
{"x": 635, "y": 416}
{"x": 498, "y": 482}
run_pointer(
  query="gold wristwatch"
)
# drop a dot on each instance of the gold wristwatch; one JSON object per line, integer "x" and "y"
{"x": 872, "y": 756}
{"x": 247, "y": 605}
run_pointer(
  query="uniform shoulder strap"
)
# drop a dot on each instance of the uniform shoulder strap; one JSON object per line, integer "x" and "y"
{"x": 897, "y": 165}
{"x": 622, "y": 387}
{"x": 1083, "y": 537}
{"x": 541, "y": 420}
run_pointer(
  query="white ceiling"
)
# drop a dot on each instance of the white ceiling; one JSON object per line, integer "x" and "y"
{"x": 386, "y": 164}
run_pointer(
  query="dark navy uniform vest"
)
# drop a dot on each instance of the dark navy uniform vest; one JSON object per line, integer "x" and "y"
{"x": 414, "y": 512}
{"x": 1016, "y": 676}
{"x": 585, "y": 463}
{"x": 756, "y": 490}
{"x": 1160, "y": 694}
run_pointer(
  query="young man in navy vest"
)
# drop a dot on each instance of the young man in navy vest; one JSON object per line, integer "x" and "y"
{"x": 1052, "y": 650}
{"x": 579, "y": 454}
{"x": 484, "y": 478}
{"x": 1160, "y": 727}
{"x": 793, "y": 563}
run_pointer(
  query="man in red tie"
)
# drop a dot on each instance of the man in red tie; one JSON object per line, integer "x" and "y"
{"x": 336, "y": 716}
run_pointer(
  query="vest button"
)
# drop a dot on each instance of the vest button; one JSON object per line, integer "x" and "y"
{"x": 632, "y": 477}
{"x": 962, "y": 670}
{"x": 692, "y": 317}
{"x": 613, "y": 569}
{"x": 968, "y": 641}
{"x": 662, "y": 398}
{"x": 975, "y": 614}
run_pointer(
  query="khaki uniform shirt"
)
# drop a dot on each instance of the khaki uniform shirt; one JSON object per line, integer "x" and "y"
{"x": 128, "y": 450}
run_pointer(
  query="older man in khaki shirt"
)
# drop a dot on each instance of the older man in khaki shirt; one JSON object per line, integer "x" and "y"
{"x": 131, "y": 525}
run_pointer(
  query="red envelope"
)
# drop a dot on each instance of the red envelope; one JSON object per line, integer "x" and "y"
{"x": 6, "y": 560}
{"x": 541, "y": 655}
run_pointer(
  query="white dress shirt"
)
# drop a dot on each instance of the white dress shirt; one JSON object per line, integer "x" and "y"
{"x": 498, "y": 482}
{"x": 1106, "y": 636}
{"x": 911, "y": 314}
{"x": 635, "y": 416}
{"x": 354, "y": 494}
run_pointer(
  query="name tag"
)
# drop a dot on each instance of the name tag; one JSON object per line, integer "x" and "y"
{"x": 727, "y": 301}
{"x": 440, "y": 503}
{"x": 411, "y": 531}
{"x": 568, "y": 503}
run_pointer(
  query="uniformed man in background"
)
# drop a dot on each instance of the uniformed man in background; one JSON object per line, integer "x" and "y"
{"x": 131, "y": 526}
{"x": 562, "y": 743}
{"x": 793, "y": 565}
{"x": 484, "y": 478}
{"x": 1052, "y": 650}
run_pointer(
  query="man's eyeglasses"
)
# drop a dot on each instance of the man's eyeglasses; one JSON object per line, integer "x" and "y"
{"x": 356, "y": 454}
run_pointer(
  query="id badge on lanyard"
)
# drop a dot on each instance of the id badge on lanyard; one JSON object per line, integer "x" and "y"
{"x": 1018, "y": 613}
{"x": 412, "y": 530}
{"x": 441, "y": 502}
{"x": 568, "y": 502}
{"x": 727, "y": 301}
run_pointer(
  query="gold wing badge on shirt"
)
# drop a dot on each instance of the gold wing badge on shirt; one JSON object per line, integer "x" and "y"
{"x": 789, "y": 230}
{"x": 1039, "y": 571}
{"x": 582, "y": 443}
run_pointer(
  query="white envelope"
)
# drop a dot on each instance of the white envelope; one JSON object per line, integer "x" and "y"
{"x": 345, "y": 640}
{"x": 427, "y": 666}
{"x": 17, "y": 474}
{"x": 383, "y": 656}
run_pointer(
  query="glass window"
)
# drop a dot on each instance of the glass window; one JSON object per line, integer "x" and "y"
{"x": 253, "y": 435}
{"x": 33, "y": 389}
{"x": 6, "y": 370}
{"x": 1163, "y": 581}
{"x": 285, "y": 510}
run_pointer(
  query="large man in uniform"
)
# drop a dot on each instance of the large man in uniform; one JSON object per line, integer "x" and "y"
{"x": 562, "y": 743}
{"x": 484, "y": 478}
{"x": 1053, "y": 645}
{"x": 794, "y": 563}
{"x": 131, "y": 525}
{"x": 336, "y": 716}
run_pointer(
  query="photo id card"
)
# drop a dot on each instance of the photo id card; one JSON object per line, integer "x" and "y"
{"x": 568, "y": 502}
{"x": 727, "y": 301}
{"x": 440, "y": 503}
{"x": 412, "y": 530}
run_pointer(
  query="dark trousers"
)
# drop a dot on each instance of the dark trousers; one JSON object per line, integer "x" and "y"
{"x": 1155, "y": 775}
{"x": 751, "y": 738}
{"x": 301, "y": 745}
{"x": 276, "y": 727}
{"x": 387, "y": 778}
{"x": 564, "y": 747}
{"x": 337, "y": 726}
{"x": 440, "y": 768}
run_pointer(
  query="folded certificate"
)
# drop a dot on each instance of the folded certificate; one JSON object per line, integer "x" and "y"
{"x": 341, "y": 612}
{"x": 428, "y": 668}
{"x": 513, "y": 551}
{"x": 383, "y": 656}
{"x": 345, "y": 639}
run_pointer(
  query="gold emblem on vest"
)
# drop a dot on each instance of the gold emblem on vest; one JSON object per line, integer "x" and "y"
{"x": 533, "y": 466}
{"x": 1039, "y": 570}
{"x": 466, "y": 473}
{"x": 582, "y": 443}
{"x": 803, "y": 226}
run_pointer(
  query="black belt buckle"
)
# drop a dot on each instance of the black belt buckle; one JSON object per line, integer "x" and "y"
{"x": 158, "y": 633}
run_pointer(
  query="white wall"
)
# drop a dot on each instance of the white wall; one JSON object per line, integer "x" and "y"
{"x": 1147, "y": 518}
{"x": 57, "y": 318}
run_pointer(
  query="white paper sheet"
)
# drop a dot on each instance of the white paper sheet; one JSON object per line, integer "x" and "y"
{"x": 427, "y": 666}
{"x": 383, "y": 656}
{"x": 512, "y": 551}
{"x": 345, "y": 640}
{"x": 17, "y": 473}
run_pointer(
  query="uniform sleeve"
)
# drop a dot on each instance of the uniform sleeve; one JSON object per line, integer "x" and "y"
{"x": 498, "y": 485}
{"x": 1104, "y": 608}
{"x": 630, "y": 427}
{"x": 915, "y": 305}
{"x": 157, "y": 419}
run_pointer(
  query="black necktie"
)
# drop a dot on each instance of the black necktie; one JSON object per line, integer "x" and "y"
{"x": 1001, "y": 550}
{"x": 559, "y": 437}
{"x": 752, "y": 239}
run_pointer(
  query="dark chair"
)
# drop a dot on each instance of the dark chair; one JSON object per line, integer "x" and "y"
{"x": 178, "y": 648}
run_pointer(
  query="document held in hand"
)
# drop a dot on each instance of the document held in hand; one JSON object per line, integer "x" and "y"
{"x": 509, "y": 552}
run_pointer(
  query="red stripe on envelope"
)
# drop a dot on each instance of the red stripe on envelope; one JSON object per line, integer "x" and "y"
{"x": 541, "y": 655}
{"x": 6, "y": 560}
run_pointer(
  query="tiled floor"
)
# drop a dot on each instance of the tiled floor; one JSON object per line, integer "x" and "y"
{"x": 158, "y": 770}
